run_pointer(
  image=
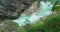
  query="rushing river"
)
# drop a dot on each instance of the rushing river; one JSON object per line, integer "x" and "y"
{"x": 44, "y": 11}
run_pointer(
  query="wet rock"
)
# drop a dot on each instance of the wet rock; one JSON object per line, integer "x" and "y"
{"x": 33, "y": 8}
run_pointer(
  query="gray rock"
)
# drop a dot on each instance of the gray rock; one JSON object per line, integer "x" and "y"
{"x": 11, "y": 9}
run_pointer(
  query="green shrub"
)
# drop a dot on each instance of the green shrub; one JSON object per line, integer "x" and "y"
{"x": 51, "y": 24}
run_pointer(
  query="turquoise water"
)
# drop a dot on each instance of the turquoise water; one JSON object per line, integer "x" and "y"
{"x": 44, "y": 11}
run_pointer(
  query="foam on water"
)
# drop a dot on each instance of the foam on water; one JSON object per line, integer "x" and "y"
{"x": 44, "y": 11}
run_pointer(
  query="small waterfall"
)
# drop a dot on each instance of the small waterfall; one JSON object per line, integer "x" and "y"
{"x": 44, "y": 11}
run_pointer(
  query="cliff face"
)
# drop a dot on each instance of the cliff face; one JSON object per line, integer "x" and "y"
{"x": 12, "y": 9}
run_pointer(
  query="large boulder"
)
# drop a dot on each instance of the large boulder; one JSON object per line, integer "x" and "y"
{"x": 11, "y": 9}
